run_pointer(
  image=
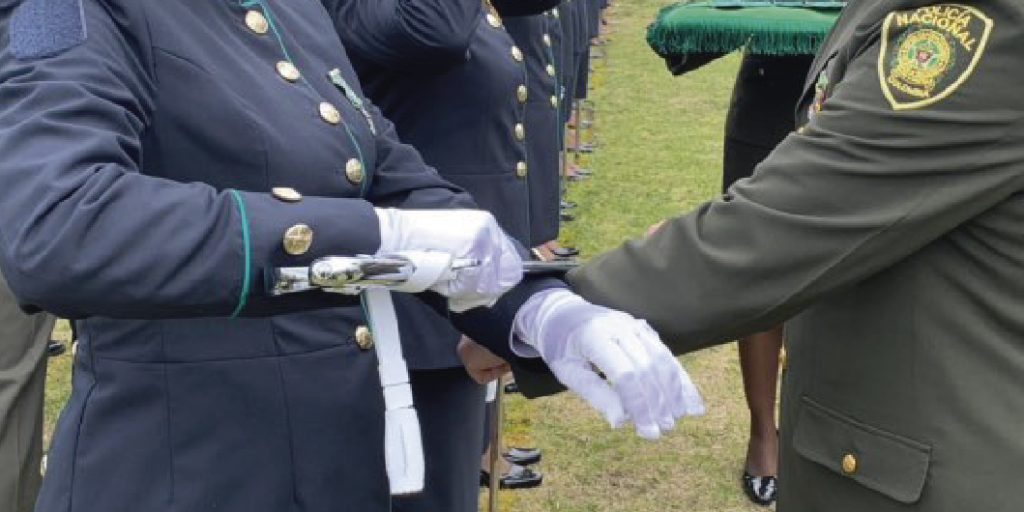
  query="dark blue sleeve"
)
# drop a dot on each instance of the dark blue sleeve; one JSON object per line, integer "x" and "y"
{"x": 84, "y": 232}
{"x": 406, "y": 34}
{"x": 491, "y": 327}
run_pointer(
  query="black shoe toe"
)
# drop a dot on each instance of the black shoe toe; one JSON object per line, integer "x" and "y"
{"x": 566, "y": 252}
{"x": 55, "y": 348}
{"x": 519, "y": 477}
{"x": 761, "y": 490}
{"x": 523, "y": 456}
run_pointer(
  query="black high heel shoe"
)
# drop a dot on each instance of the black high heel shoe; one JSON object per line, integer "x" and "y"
{"x": 523, "y": 456}
{"x": 762, "y": 490}
{"x": 518, "y": 477}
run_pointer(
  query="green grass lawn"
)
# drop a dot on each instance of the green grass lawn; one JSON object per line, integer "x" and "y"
{"x": 660, "y": 154}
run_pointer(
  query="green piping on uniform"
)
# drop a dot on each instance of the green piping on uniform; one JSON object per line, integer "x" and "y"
{"x": 364, "y": 187}
{"x": 243, "y": 297}
{"x": 268, "y": 13}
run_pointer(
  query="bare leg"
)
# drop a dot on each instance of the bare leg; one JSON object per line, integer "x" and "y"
{"x": 759, "y": 360}
{"x": 485, "y": 462}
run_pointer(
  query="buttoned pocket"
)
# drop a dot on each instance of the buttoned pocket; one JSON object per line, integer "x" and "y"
{"x": 882, "y": 461}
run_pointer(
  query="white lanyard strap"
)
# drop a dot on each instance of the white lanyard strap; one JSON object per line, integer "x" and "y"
{"x": 403, "y": 444}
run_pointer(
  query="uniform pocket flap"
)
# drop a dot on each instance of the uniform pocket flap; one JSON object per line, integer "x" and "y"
{"x": 882, "y": 461}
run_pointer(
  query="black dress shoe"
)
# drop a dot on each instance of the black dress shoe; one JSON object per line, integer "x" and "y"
{"x": 511, "y": 388}
{"x": 518, "y": 477}
{"x": 565, "y": 252}
{"x": 761, "y": 490}
{"x": 55, "y": 348}
{"x": 523, "y": 456}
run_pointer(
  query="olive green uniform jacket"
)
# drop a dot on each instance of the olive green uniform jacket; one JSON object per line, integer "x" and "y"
{"x": 889, "y": 230}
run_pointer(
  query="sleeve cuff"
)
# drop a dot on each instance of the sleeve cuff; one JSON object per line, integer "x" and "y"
{"x": 279, "y": 233}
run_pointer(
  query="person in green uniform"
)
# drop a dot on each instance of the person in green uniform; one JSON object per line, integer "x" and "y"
{"x": 889, "y": 231}
{"x": 764, "y": 97}
{"x": 23, "y": 341}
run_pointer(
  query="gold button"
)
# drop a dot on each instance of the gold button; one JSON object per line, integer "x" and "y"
{"x": 554, "y": 101}
{"x": 550, "y": 69}
{"x": 493, "y": 20}
{"x": 288, "y": 71}
{"x": 329, "y": 113}
{"x": 521, "y": 169}
{"x": 849, "y": 464}
{"x": 256, "y": 22}
{"x": 354, "y": 171}
{"x": 521, "y": 93}
{"x": 520, "y": 131}
{"x": 517, "y": 54}
{"x": 364, "y": 338}
{"x": 298, "y": 239}
{"x": 547, "y": 40}
{"x": 286, "y": 194}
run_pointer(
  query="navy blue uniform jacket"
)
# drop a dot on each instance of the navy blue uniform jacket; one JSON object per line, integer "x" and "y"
{"x": 140, "y": 140}
{"x": 454, "y": 83}
{"x": 531, "y": 33}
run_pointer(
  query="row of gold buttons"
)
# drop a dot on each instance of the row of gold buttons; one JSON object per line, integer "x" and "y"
{"x": 550, "y": 68}
{"x": 298, "y": 238}
{"x": 519, "y": 131}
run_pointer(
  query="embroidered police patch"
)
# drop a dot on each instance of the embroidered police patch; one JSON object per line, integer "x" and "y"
{"x": 44, "y": 28}
{"x": 928, "y": 53}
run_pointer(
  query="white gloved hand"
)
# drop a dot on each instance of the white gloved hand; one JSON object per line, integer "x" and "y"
{"x": 646, "y": 384}
{"x": 470, "y": 234}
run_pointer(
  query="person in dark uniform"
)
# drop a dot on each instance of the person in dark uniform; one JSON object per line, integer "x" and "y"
{"x": 159, "y": 160}
{"x": 467, "y": 117}
{"x": 23, "y": 349}
{"x": 581, "y": 49}
{"x": 577, "y": 84}
{"x": 565, "y": 62}
{"x": 532, "y": 34}
{"x": 760, "y": 117}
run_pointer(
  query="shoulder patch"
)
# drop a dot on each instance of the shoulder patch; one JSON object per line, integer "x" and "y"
{"x": 44, "y": 28}
{"x": 928, "y": 53}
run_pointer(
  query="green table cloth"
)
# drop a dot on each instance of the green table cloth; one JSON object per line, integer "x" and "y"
{"x": 723, "y": 26}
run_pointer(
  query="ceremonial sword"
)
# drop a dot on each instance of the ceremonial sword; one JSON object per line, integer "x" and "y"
{"x": 353, "y": 274}
{"x": 373, "y": 278}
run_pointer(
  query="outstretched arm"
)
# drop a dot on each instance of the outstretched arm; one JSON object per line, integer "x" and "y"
{"x": 862, "y": 187}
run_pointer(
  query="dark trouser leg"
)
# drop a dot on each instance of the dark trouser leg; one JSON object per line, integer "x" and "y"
{"x": 23, "y": 341}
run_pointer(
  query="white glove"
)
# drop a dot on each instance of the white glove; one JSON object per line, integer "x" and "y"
{"x": 470, "y": 234}
{"x": 646, "y": 384}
